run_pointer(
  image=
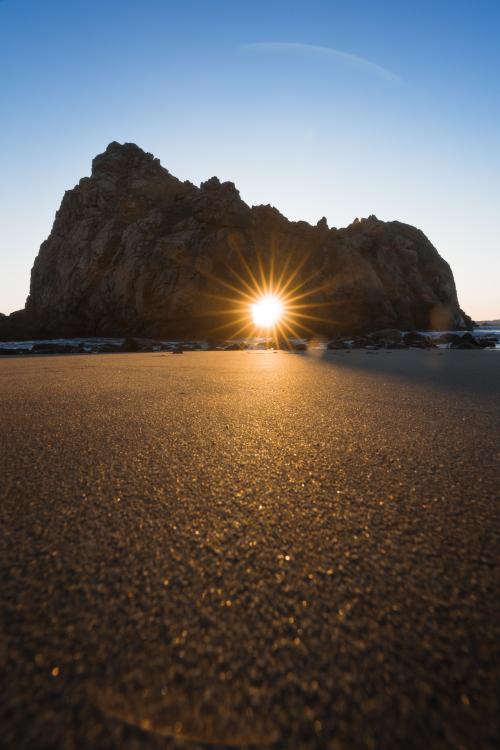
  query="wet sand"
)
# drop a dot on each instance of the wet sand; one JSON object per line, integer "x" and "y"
{"x": 287, "y": 550}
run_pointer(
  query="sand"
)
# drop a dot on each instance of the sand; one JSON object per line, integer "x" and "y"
{"x": 248, "y": 547}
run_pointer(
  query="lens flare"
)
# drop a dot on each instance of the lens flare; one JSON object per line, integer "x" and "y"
{"x": 267, "y": 311}
{"x": 272, "y": 294}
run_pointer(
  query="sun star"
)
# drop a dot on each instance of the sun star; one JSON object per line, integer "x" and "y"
{"x": 267, "y": 311}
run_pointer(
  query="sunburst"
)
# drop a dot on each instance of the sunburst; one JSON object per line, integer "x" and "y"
{"x": 273, "y": 299}
{"x": 267, "y": 312}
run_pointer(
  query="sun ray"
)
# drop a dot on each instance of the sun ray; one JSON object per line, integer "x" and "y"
{"x": 279, "y": 283}
{"x": 284, "y": 288}
{"x": 263, "y": 277}
{"x": 252, "y": 276}
{"x": 267, "y": 297}
{"x": 294, "y": 291}
{"x": 238, "y": 290}
{"x": 271, "y": 271}
{"x": 234, "y": 321}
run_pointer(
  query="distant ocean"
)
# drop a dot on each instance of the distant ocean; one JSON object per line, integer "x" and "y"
{"x": 88, "y": 343}
{"x": 93, "y": 344}
{"x": 482, "y": 332}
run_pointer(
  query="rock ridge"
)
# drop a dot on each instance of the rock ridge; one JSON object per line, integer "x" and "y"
{"x": 135, "y": 251}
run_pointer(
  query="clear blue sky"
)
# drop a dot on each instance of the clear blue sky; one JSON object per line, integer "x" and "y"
{"x": 244, "y": 89}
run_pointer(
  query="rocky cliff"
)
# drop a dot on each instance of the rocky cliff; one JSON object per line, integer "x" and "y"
{"x": 135, "y": 251}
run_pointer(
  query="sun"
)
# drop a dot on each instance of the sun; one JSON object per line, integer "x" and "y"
{"x": 273, "y": 296}
{"x": 267, "y": 311}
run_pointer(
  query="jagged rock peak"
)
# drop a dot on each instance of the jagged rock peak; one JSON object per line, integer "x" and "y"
{"x": 212, "y": 184}
{"x": 215, "y": 184}
{"x": 372, "y": 219}
{"x": 124, "y": 157}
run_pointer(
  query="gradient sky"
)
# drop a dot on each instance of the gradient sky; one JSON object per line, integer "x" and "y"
{"x": 340, "y": 109}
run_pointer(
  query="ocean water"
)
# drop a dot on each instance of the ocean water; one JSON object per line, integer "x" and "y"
{"x": 477, "y": 332}
{"x": 89, "y": 343}
{"x": 92, "y": 344}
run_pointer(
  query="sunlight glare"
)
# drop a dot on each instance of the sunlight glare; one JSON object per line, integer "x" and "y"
{"x": 267, "y": 311}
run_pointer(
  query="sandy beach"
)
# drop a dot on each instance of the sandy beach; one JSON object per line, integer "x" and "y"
{"x": 296, "y": 550}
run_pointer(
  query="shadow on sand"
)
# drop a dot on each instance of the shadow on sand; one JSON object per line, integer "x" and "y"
{"x": 472, "y": 373}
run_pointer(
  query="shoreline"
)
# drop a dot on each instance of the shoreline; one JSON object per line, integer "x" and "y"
{"x": 479, "y": 338}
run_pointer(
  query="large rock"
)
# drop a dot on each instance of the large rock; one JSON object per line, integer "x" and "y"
{"x": 17, "y": 326}
{"x": 134, "y": 251}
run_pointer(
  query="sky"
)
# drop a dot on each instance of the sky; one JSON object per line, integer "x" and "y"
{"x": 321, "y": 108}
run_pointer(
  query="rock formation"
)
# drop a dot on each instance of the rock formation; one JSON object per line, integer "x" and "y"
{"x": 134, "y": 251}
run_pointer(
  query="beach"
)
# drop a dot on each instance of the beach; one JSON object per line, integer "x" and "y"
{"x": 295, "y": 550}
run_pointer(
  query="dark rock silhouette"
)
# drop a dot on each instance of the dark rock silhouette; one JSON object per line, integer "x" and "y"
{"x": 134, "y": 251}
